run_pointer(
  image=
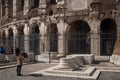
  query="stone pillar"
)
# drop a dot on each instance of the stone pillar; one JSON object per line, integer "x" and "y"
{"x": 61, "y": 38}
{"x": 26, "y": 38}
{"x": 6, "y": 8}
{"x": 43, "y": 38}
{"x": 26, "y": 7}
{"x": 14, "y": 8}
{"x": 95, "y": 35}
{"x": 42, "y": 6}
{"x": 0, "y": 9}
{"x": 6, "y": 36}
{"x": 95, "y": 43}
{"x": 15, "y": 40}
{"x": 0, "y": 38}
{"x": 61, "y": 45}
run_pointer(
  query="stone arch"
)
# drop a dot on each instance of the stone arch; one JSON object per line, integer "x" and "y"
{"x": 34, "y": 28}
{"x": 20, "y": 30}
{"x": 108, "y": 36}
{"x": 78, "y": 38}
{"x": 52, "y": 31}
{"x": 35, "y": 4}
{"x": 34, "y": 38}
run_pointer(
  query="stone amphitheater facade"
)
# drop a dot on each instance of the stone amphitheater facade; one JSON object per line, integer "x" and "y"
{"x": 93, "y": 18}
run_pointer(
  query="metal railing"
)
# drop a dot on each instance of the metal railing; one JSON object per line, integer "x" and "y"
{"x": 72, "y": 43}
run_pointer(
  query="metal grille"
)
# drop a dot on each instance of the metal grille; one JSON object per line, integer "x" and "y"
{"x": 73, "y": 43}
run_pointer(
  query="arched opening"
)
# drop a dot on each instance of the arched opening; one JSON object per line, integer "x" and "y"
{"x": 3, "y": 40}
{"x": 3, "y": 7}
{"x": 35, "y": 4}
{"x": 34, "y": 39}
{"x": 20, "y": 38}
{"x": 53, "y": 37}
{"x": 108, "y": 36}
{"x": 10, "y": 8}
{"x": 10, "y": 39}
{"x": 22, "y": 5}
{"x": 53, "y": 2}
{"x": 78, "y": 38}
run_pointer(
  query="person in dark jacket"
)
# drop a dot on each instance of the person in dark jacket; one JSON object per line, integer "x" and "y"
{"x": 2, "y": 50}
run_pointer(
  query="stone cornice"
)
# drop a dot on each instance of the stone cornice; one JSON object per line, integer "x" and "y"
{"x": 14, "y": 23}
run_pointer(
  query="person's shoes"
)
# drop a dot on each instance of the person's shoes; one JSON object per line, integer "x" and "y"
{"x": 19, "y": 75}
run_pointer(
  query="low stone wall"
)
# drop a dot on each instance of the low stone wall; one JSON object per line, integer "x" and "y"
{"x": 13, "y": 58}
{"x": 75, "y": 61}
{"x": 30, "y": 58}
{"x": 102, "y": 58}
{"x": 46, "y": 56}
{"x": 87, "y": 58}
{"x": 115, "y": 59}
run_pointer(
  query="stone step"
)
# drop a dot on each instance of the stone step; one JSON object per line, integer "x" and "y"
{"x": 102, "y": 58}
{"x": 89, "y": 73}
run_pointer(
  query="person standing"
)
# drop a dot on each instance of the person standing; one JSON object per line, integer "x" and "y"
{"x": 2, "y": 50}
{"x": 2, "y": 53}
{"x": 20, "y": 59}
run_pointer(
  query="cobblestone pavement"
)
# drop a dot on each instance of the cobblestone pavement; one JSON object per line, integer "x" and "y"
{"x": 10, "y": 74}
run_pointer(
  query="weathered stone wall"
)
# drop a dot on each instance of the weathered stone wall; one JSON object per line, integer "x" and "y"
{"x": 76, "y": 4}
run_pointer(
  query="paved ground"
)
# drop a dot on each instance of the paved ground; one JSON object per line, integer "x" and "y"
{"x": 109, "y": 76}
{"x": 10, "y": 73}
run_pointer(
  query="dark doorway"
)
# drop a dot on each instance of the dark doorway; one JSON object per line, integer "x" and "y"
{"x": 53, "y": 37}
{"x": 10, "y": 39}
{"x": 108, "y": 36}
{"x": 78, "y": 39}
{"x": 20, "y": 38}
{"x": 34, "y": 39}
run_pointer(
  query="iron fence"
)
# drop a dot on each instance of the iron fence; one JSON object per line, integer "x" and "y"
{"x": 72, "y": 43}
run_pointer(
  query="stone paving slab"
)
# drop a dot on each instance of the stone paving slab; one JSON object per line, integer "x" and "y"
{"x": 10, "y": 73}
{"x": 87, "y": 74}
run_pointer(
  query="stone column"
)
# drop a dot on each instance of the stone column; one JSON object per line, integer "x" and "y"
{"x": 95, "y": 43}
{"x": 6, "y": 8}
{"x": 42, "y": 6}
{"x": 61, "y": 38}
{"x": 43, "y": 38}
{"x": 6, "y": 37}
{"x": 0, "y": 38}
{"x": 26, "y": 7}
{"x": 26, "y": 37}
{"x": 95, "y": 35}
{"x": 0, "y": 9}
{"x": 15, "y": 41}
{"x": 61, "y": 45}
{"x": 14, "y": 8}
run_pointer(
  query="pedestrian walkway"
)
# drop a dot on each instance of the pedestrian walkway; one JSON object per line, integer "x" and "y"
{"x": 28, "y": 69}
{"x": 89, "y": 72}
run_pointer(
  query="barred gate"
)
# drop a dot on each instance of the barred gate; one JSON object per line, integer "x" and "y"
{"x": 74, "y": 43}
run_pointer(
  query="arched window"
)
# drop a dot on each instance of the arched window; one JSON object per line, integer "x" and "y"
{"x": 52, "y": 2}
{"x": 22, "y": 5}
{"x": 3, "y": 7}
{"x": 35, "y": 4}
